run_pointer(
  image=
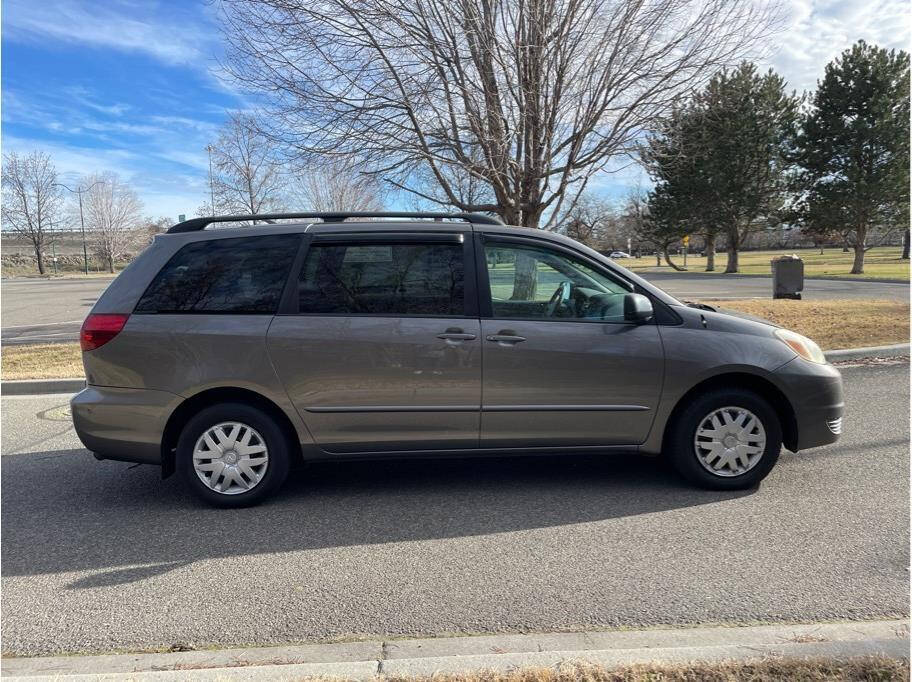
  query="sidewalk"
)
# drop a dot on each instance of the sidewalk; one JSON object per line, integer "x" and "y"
{"x": 424, "y": 657}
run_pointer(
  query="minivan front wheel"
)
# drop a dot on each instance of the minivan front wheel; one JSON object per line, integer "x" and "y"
{"x": 232, "y": 455}
{"x": 726, "y": 439}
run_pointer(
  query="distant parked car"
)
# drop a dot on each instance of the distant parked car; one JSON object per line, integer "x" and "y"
{"x": 619, "y": 254}
{"x": 227, "y": 354}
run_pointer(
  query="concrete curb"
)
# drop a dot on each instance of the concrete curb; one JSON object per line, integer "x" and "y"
{"x": 868, "y": 352}
{"x": 40, "y": 386}
{"x": 421, "y": 657}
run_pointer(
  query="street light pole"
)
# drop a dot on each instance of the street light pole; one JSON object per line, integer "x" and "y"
{"x": 211, "y": 186}
{"x": 85, "y": 249}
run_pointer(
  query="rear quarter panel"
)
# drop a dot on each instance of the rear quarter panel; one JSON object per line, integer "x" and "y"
{"x": 188, "y": 354}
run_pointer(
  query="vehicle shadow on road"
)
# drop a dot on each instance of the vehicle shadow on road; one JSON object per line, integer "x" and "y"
{"x": 64, "y": 511}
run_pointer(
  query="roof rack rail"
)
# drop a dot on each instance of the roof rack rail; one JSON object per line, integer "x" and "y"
{"x": 195, "y": 224}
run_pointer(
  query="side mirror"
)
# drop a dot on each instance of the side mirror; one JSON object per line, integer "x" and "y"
{"x": 637, "y": 308}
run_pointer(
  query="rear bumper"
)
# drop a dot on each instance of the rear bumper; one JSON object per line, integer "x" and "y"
{"x": 124, "y": 424}
{"x": 815, "y": 392}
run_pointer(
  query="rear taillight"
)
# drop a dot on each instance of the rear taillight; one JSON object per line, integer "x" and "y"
{"x": 99, "y": 328}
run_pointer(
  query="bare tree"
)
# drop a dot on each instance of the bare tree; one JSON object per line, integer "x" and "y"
{"x": 591, "y": 221}
{"x": 606, "y": 225}
{"x": 247, "y": 174}
{"x": 528, "y": 97}
{"x": 32, "y": 201}
{"x": 113, "y": 214}
{"x": 155, "y": 226}
{"x": 335, "y": 186}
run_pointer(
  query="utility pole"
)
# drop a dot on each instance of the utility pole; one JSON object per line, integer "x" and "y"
{"x": 85, "y": 249}
{"x": 211, "y": 185}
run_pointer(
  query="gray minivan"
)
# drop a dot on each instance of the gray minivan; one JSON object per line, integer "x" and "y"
{"x": 228, "y": 352}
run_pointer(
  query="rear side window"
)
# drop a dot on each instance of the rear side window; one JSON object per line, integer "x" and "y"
{"x": 238, "y": 275}
{"x": 383, "y": 279}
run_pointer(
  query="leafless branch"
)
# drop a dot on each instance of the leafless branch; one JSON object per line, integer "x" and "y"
{"x": 528, "y": 97}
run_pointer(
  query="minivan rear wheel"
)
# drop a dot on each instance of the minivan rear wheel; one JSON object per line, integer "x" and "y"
{"x": 727, "y": 439}
{"x": 232, "y": 455}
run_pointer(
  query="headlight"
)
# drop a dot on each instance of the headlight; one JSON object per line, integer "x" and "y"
{"x": 801, "y": 345}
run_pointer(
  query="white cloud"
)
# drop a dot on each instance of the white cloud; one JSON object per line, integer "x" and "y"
{"x": 187, "y": 157}
{"x": 163, "y": 192}
{"x": 207, "y": 127}
{"x": 107, "y": 24}
{"x": 820, "y": 30}
{"x": 82, "y": 95}
{"x": 74, "y": 161}
{"x": 76, "y": 111}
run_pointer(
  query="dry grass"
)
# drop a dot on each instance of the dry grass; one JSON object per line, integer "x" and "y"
{"x": 868, "y": 668}
{"x": 41, "y": 361}
{"x": 883, "y": 262}
{"x": 850, "y": 323}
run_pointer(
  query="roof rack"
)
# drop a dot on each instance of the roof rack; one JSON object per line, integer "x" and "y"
{"x": 195, "y": 224}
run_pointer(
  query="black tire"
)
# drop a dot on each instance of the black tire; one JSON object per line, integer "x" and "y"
{"x": 276, "y": 444}
{"x": 680, "y": 441}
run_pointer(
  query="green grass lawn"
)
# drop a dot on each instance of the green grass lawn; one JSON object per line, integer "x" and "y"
{"x": 881, "y": 262}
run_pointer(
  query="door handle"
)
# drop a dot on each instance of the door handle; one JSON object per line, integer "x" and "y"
{"x": 456, "y": 334}
{"x": 505, "y": 339}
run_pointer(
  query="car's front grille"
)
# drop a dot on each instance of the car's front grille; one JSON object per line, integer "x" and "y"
{"x": 835, "y": 425}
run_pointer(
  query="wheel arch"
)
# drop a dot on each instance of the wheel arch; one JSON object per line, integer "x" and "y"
{"x": 222, "y": 394}
{"x": 783, "y": 407}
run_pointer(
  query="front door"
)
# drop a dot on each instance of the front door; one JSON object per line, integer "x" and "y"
{"x": 384, "y": 352}
{"x": 561, "y": 365}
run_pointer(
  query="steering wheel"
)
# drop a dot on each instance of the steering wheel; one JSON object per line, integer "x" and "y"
{"x": 561, "y": 295}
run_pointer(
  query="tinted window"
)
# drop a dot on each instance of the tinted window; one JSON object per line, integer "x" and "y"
{"x": 238, "y": 275}
{"x": 528, "y": 282}
{"x": 383, "y": 279}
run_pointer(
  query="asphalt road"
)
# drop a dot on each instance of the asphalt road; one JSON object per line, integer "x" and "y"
{"x": 44, "y": 311}
{"x": 103, "y": 555}
{"x": 693, "y": 286}
{"x": 47, "y": 310}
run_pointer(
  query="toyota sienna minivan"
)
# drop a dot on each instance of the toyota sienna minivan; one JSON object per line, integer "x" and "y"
{"x": 229, "y": 352}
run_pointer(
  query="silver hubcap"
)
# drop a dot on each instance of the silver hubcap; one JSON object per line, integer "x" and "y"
{"x": 730, "y": 441}
{"x": 230, "y": 458}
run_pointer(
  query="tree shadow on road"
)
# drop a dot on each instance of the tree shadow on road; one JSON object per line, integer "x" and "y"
{"x": 71, "y": 513}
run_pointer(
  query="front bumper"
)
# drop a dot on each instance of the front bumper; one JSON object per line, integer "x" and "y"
{"x": 124, "y": 424}
{"x": 815, "y": 392}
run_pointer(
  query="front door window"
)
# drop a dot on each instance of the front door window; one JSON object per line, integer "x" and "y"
{"x": 528, "y": 282}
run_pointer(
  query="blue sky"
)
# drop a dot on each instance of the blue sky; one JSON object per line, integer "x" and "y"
{"x": 132, "y": 86}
